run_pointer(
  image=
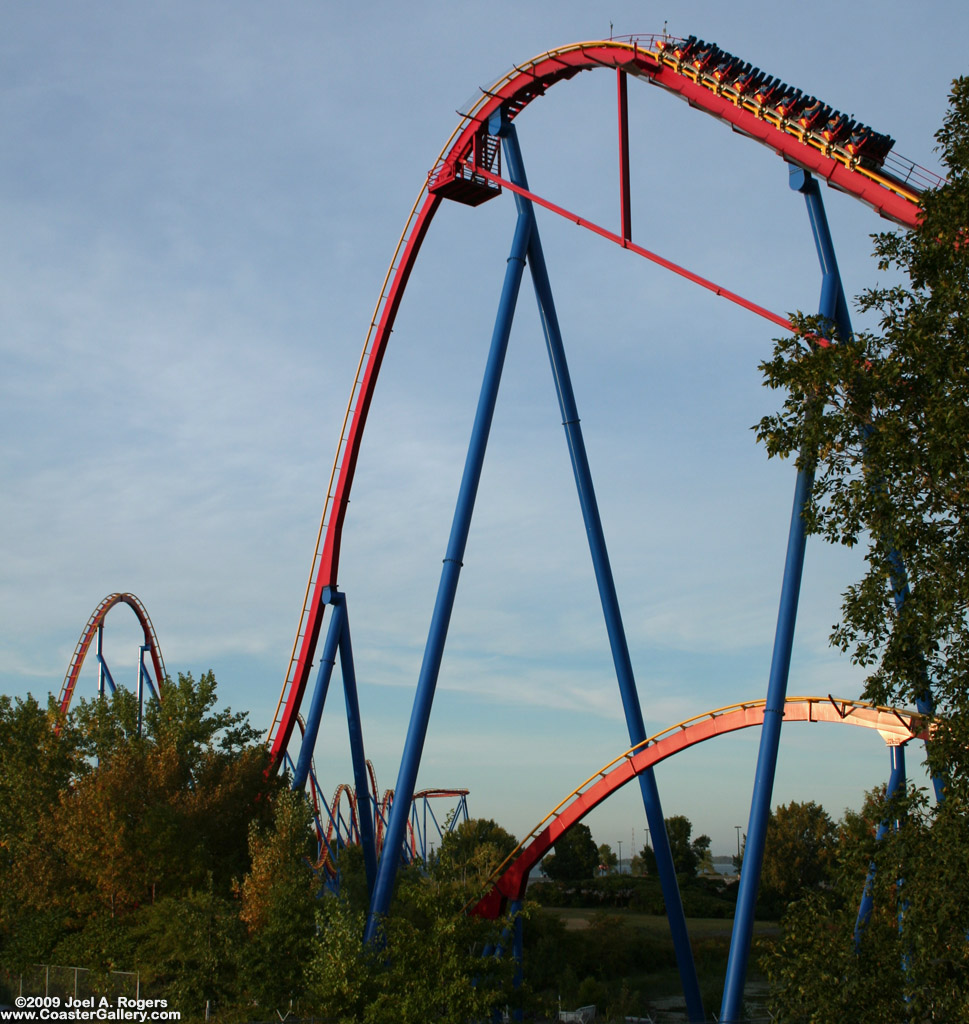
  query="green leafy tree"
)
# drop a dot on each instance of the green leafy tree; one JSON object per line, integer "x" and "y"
{"x": 688, "y": 853}
{"x": 429, "y": 966}
{"x": 36, "y": 764}
{"x": 608, "y": 861}
{"x": 884, "y": 417}
{"x": 190, "y": 949}
{"x": 100, "y": 824}
{"x": 278, "y": 897}
{"x": 576, "y": 856}
{"x": 470, "y": 852}
{"x": 799, "y": 852}
{"x": 912, "y": 960}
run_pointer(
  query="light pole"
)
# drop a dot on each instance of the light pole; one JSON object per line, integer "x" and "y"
{"x": 738, "y": 828}
{"x": 619, "y": 842}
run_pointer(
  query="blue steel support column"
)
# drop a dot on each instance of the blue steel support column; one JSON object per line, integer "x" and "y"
{"x": 323, "y": 674}
{"x": 365, "y": 807}
{"x": 606, "y": 585}
{"x": 925, "y": 702}
{"x": 518, "y": 951}
{"x": 896, "y": 781}
{"x": 834, "y": 308}
{"x": 106, "y": 672}
{"x": 145, "y": 674}
{"x": 141, "y": 690}
{"x": 460, "y": 526}
{"x": 100, "y": 657}
{"x": 803, "y": 182}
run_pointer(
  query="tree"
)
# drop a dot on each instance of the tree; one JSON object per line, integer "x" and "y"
{"x": 883, "y": 417}
{"x": 279, "y": 904}
{"x": 608, "y": 861}
{"x": 190, "y": 947}
{"x": 36, "y": 765}
{"x": 472, "y": 851}
{"x": 799, "y": 853}
{"x": 576, "y": 856}
{"x": 429, "y": 967}
{"x": 912, "y": 960}
{"x": 100, "y": 826}
{"x": 688, "y": 853}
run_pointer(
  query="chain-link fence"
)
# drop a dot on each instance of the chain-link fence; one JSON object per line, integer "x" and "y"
{"x": 73, "y": 982}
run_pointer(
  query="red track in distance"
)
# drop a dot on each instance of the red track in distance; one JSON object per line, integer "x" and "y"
{"x": 90, "y": 631}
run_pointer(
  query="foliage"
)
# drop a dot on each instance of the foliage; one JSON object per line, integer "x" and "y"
{"x": 277, "y": 897}
{"x": 884, "y": 417}
{"x": 170, "y": 850}
{"x": 429, "y": 966}
{"x": 192, "y": 943}
{"x": 798, "y": 854}
{"x": 701, "y": 896}
{"x": 576, "y": 855}
{"x": 109, "y": 835}
{"x": 608, "y": 861}
{"x": 688, "y": 853}
{"x": 472, "y": 851}
{"x": 912, "y": 960}
{"x": 36, "y": 764}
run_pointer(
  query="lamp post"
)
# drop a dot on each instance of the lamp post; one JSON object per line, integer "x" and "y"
{"x": 619, "y": 843}
{"x": 738, "y": 828}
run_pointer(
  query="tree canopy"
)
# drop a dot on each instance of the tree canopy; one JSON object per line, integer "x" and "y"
{"x": 688, "y": 853}
{"x": 470, "y": 852}
{"x": 122, "y": 851}
{"x": 576, "y": 856}
{"x": 173, "y": 852}
{"x": 884, "y": 417}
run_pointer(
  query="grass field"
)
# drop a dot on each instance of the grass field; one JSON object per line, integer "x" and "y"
{"x": 623, "y": 960}
{"x": 576, "y": 918}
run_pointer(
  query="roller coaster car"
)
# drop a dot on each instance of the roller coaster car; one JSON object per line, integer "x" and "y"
{"x": 838, "y": 127}
{"x": 790, "y": 103}
{"x": 768, "y": 88}
{"x": 814, "y": 112}
{"x": 682, "y": 49}
{"x": 705, "y": 55}
{"x": 730, "y": 70}
{"x": 749, "y": 81}
{"x": 868, "y": 144}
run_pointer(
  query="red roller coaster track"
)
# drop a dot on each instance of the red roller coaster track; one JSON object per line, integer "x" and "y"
{"x": 90, "y": 632}
{"x": 892, "y": 194}
{"x": 510, "y": 879}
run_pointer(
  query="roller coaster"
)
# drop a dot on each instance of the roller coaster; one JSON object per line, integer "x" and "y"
{"x": 93, "y": 632}
{"x": 479, "y": 162}
{"x": 337, "y": 821}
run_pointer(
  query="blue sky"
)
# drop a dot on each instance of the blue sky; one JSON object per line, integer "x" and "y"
{"x": 198, "y": 204}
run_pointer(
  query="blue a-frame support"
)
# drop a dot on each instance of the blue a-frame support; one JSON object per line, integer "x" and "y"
{"x": 447, "y": 587}
{"x": 338, "y": 639}
{"x": 526, "y": 247}
{"x": 526, "y": 244}
{"x": 833, "y": 308}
